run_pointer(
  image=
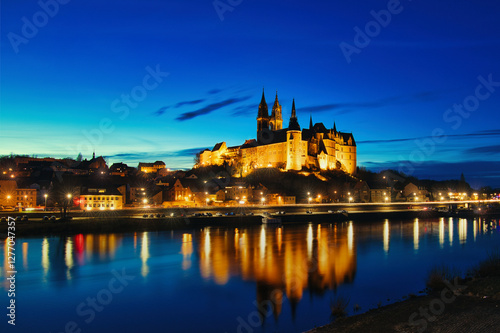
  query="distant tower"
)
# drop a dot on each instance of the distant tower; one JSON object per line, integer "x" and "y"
{"x": 262, "y": 116}
{"x": 294, "y": 123}
{"x": 93, "y": 155}
{"x": 294, "y": 143}
{"x": 276, "y": 120}
{"x": 310, "y": 122}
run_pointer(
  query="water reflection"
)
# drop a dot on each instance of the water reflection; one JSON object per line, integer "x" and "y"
{"x": 45, "y": 257}
{"x": 462, "y": 231}
{"x": 416, "y": 235}
{"x": 25, "y": 255}
{"x": 145, "y": 254}
{"x": 386, "y": 236}
{"x": 68, "y": 256}
{"x": 441, "y": 232}
{"x": 450, "y": 230}
{"x": 282, "y": 260}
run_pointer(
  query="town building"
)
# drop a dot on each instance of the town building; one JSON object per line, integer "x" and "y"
{"x": 11, "y": 196}
{"x": 291, "y": 148}
{"x": 151, "y": 167}
{"x": 101, "y": 199}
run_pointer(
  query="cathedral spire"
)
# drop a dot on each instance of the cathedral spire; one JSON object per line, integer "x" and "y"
{"x": 334, "y": 128}
{"x": 294, "y": 123}
{"x": 275, "y": 106}
{"x": 263, "y": 113}
{"x": 310, "y": 122}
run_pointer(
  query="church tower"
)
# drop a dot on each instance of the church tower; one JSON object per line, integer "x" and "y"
{"x": 262, "y": 116}
{"x": 294, "y": 143}
{"x": 276, "y": 120}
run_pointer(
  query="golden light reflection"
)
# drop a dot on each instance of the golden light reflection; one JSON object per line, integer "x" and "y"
{"x": 279, "y": 238}
{"x": 386, "y": 236}
{"x": 103, "y": 245}
{"x": 474, "y": 228}
{"x": 415, "y": 234}
{"x": 441, "y": 232}
{"x": 350, "y": 237}
{"x": 68, "y": 256}
{"x": 450, "y": 230}
{"x": 462, "y": 230}
{"x": 186, "y": 250}
{"x": 262, "y": 245}
{"x": 5, "y": 263}
{"x": 45, "y": 257}
{"x": 280, "y": 260}
{"x": 145, "y": 254}
{"x": 309, "y": 241}
{"x": 25, "y": 255}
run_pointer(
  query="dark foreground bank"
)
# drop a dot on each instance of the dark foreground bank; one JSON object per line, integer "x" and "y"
{"x": 467, "y": 306}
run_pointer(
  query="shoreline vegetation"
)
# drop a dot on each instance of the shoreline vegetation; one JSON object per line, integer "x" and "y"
{"x": 452, "y": 303}
{"x": 112, "y": 222}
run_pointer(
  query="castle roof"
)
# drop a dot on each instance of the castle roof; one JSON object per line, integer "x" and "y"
{"x": 218, "y": 146}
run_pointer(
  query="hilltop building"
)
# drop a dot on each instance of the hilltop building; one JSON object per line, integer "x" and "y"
{"x": 151, "y": 167}
{"x": 291, "y": 148}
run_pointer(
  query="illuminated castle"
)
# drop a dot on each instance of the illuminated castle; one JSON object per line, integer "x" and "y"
{"x": 289, "y": 148}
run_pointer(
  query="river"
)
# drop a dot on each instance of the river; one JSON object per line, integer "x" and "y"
{"x": 252, "y": 279}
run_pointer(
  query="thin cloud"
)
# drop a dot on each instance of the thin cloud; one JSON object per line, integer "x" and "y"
{"x": 244, "y": 110}
{"x": 343, "y": 108}
{"x": 214, "y": 91}
{"x": 458, "y": 136}
{"x": 488, "y": 150}
{"x": 210, "y": 108}
{"x": 148, "y": 156}
{"x": 196, "y": 101}
{"x": 161, "y": 111}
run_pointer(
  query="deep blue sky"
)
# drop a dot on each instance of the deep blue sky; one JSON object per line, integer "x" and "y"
{"x": 68, "y": 78}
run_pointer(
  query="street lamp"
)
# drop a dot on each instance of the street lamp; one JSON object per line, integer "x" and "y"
{"x": 350, "y": 199}
{"x": 263, "y": 200}
{"x": 45, "y": 196}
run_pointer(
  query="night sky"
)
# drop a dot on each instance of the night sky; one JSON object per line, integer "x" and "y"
{"x": 147, "y": 80}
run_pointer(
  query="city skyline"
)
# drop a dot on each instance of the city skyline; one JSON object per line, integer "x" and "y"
{"x": 140, "y": 82}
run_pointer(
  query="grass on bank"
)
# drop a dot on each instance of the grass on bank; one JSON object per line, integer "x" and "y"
{"x": 439, "y": 275}
{"x": 488, "y": 267}
{"x": 338, "y": 307}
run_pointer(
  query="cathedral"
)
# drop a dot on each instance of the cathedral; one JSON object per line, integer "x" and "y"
{"x": 291, "y": 148}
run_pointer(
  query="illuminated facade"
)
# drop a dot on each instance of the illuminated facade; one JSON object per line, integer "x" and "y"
{"x": 101, "y": 199}
{"x": 151, "y": 167}
{"x": 290, "y": 148}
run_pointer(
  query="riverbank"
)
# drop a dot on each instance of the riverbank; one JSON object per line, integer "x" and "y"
{"x": 462, "y": 306}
